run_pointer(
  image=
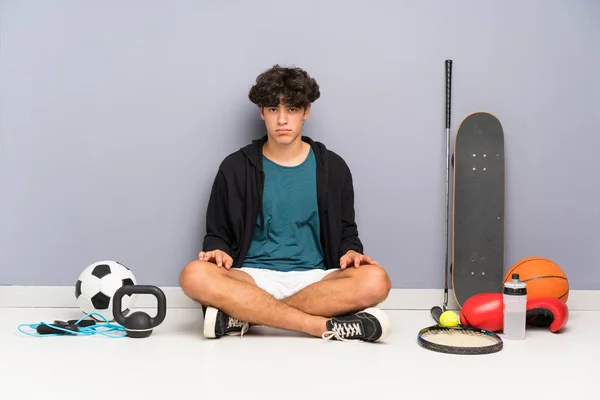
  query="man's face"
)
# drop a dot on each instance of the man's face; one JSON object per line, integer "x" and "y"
{"x": 284, "y": 123}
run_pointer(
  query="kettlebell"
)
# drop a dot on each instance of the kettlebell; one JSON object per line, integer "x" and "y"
{"x": 139, "y": 324}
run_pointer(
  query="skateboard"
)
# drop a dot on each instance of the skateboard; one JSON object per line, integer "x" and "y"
{"x": 478, "y": 207}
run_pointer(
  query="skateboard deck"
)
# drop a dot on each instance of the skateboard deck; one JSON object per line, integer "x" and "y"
{"x": 478, "y": 207}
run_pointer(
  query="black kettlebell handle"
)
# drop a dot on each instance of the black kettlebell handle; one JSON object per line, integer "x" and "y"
{"x": 140, "y": 289}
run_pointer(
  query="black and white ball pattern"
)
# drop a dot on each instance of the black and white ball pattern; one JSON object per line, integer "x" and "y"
{"x": 97, "y": 285}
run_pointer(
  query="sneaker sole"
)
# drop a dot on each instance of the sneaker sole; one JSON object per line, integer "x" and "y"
{"x": 210, "y": 318}
{"x": 386, "y": 326}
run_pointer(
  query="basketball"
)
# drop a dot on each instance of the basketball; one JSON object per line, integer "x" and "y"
{"x": 543, "y": 278}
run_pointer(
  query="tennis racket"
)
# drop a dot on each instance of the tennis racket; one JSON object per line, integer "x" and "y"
{"x": 459, "y": 340}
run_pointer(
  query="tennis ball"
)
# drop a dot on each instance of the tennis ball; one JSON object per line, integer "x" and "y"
{"x": 448, "y": 318}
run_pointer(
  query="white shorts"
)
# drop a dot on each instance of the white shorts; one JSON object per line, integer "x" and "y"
{"x": 284, "y": 284}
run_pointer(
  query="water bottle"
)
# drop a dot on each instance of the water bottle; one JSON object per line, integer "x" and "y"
{"x": 515, "y": 308}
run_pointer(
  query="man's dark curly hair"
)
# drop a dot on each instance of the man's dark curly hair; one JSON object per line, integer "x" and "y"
{"x": 279, "y": 85}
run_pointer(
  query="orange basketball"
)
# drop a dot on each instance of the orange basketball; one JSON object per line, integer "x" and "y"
{"x": 543, "y": 278}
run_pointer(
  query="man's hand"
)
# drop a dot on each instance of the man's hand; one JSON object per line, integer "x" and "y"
{"x": 354, "y": 258}
{"x": 218, "y": 257}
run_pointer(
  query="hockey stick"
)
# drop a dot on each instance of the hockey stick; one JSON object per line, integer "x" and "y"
{"x": 436, "y": 311}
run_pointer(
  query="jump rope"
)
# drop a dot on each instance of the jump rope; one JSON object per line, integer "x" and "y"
{"x": 79, "y": 327}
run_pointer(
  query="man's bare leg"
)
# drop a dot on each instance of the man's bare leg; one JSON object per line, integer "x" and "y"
{"x": 235, "y": 293}
{"x": 343, "y": 291}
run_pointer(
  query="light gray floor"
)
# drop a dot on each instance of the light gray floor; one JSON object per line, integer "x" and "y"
{"x": 177, "y": 362}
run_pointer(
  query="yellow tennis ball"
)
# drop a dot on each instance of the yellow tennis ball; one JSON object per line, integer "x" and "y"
{"x": 449, "y": 318}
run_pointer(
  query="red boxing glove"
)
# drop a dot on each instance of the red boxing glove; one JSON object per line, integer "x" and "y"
{"x": 547, "y": 311}
{"x": 486, "y": 311}
{"x": 483, "y": 311}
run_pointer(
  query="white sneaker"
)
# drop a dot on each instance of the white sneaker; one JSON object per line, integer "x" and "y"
{"x": 217, "y": 324}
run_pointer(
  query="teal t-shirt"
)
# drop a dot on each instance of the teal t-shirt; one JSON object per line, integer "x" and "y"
{"x": 291, "y": 238}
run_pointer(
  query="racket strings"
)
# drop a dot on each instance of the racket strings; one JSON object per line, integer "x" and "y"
{"x": 458, "y": 338}
{"x": 460, "y": 341}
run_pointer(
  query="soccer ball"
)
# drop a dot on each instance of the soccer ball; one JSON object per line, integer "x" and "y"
{"x": 97, "y": 285}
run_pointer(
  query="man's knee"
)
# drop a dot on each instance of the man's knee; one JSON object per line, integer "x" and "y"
{"x": 376, "y": 284}
{"x": 195, "y": 279}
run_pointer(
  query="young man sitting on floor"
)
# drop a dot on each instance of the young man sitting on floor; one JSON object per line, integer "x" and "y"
{"x": 282, "y": 247}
